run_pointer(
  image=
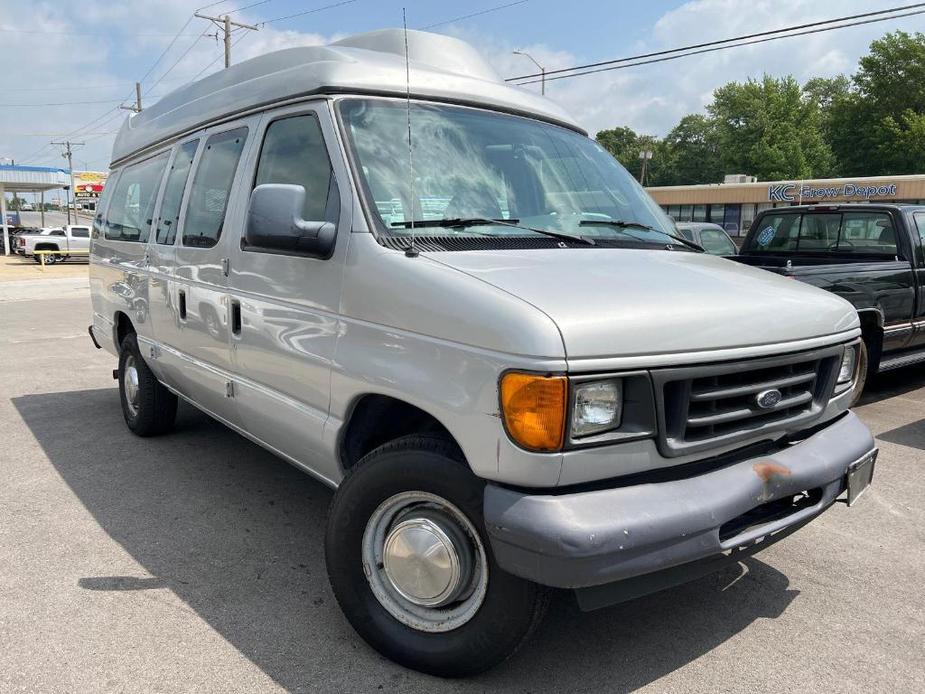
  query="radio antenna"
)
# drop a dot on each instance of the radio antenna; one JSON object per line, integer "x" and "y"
{"x": 411, "y": 251}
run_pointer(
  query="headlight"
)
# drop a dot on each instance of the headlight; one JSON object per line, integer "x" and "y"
{"x": 848, "y": 363}
{"x": 597, "y": 407}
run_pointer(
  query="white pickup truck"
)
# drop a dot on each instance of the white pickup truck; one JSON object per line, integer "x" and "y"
{"x": 72, "y": 237}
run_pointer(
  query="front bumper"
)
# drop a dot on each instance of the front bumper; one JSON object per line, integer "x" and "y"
{"x": 598, "y": 537}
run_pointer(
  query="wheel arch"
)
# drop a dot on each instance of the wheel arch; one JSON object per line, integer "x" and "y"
{"x": 122, "y": 326}
{"x": 374, "y": 419}
{"x": 872, "y": 334}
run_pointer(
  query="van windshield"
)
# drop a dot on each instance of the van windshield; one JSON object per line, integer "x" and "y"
{"x": 473, "y": 164}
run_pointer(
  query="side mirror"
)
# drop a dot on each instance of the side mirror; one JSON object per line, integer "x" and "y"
{"x": 275, "y": 224}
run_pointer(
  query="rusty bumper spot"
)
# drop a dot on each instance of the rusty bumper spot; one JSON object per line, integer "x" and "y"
{"x": 766, "y": 471}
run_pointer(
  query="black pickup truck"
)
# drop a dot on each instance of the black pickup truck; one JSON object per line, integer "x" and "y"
{"x": 872, "y": 255}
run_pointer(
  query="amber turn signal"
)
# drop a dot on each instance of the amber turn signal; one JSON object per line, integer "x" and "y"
{"x": 533, "y": 407}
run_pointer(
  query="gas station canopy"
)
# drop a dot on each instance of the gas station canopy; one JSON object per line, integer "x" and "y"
{"x": 24, "y": 179}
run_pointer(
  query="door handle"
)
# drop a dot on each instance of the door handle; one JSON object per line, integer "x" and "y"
{"x": 182, "y": 304}
{"x": 235, "y": 317}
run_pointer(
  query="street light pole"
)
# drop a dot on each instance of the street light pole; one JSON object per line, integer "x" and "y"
{"x": 645, "y": 155}
{"x": 542, "y": 70}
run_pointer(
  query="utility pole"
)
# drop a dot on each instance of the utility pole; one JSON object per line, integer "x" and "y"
{"x": 69, "y": 154}
{"x": 224, "y": 23}
{"x": 137, "y": 107}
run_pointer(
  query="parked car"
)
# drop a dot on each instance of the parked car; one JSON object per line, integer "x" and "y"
{"x": 872, "y": 255}
{"x": 13, "y": 233}
{"x": 711, "y": 237}
{"x": 510, "y": 369}
{"x": 27, "y": 207}
{"x": 72, "y": 237}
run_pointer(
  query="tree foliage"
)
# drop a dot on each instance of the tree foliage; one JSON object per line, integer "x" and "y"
{"x": 871, "y": 123}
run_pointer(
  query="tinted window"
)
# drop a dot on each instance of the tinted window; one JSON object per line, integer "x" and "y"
{"x": 716, "y": 242}
{"x": 293, "y": 152}
{"x": 819, "y": 232}
{"x": 868, "y": 232}
{"x": 132, "y": 206}
{"x": 80, "y": 232}
{"x": 687, "y": 234}
{"x": 208, "y": 199}
{"x": 173, "y": 192}
{"x": 777, "y": 232}
{"x": 57, "y": 232}
{"x": 920, "y": 223}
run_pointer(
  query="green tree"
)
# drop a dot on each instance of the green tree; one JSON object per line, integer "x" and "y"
{"x": 767, "y": 128}
{"x": 624, "y": 144}
{"x": 692, "y": 152}
{"x": 877, "y": 127}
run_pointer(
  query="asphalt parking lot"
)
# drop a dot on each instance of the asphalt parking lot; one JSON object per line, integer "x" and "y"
{"x": 194, "y": 562}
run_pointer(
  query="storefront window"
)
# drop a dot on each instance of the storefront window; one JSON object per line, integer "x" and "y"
{"x": 674, "y": 211}
{"x": 686, "y": 212}
{"x": 716, "y": 214}
{"x": 700, "y": 213}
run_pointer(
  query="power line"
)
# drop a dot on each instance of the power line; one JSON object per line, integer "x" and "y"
{"x": 302, "y": 14}
{"x": 475, "y": 14}
{"x": 774, "y": 35}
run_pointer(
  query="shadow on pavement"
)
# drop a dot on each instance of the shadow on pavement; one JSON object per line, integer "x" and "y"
{"x": 238, "y": 535}
{"x": 893, "y": 383}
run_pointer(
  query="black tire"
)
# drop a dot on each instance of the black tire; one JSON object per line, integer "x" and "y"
{"x": 50, "y": 258}
{"x": 512, "y": 607}
{"x": 154, "y": 409}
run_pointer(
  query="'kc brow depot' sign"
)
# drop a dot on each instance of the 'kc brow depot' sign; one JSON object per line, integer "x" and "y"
{"x": 794, "y": 192}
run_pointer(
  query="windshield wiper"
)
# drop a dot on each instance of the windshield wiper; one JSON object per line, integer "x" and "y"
{"x": 460, "y": 222}
{"x": 480, "y": 221}
{"x": 627, "y": 224}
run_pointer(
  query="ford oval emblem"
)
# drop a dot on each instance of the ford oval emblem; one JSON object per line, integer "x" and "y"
{"x": 768, "y": 399}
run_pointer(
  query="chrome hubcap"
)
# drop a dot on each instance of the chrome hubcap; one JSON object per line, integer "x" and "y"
{"x": 425, "y": 562}
{"x": 421, "y": 561}
{"x": 130, "y": 384}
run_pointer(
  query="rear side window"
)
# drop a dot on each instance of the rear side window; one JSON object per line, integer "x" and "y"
{"x": 80, "y": 232}
{"x": 173, "y": 192}
{"x": 57, "y": 232}
{"x": 293, "y": 152}
{"x": 131, "y": 209}
{"x": 920, "y": 224}
{"x": 716, "y": 242}
{"x": 208, "y": 199}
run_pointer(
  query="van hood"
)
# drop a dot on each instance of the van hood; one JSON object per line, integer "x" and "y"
{"x": 626, "y": 302}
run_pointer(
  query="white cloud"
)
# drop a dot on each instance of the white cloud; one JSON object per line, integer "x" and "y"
{"x": 650, "y": 99}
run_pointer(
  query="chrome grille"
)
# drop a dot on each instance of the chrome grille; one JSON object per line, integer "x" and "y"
{"x": 709, "y": 406}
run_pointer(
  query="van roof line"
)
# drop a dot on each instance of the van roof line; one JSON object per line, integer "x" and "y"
{"x": 443, "y": 68}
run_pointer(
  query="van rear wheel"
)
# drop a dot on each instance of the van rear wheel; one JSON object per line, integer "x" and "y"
{"x": 148, "y": 407}
{"x": 411, "y": 565}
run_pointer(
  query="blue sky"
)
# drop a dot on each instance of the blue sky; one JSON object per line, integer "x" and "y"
{"x": 64, "y": 52}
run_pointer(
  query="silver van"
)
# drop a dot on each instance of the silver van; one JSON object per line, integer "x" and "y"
{"x": 490, "y": 343}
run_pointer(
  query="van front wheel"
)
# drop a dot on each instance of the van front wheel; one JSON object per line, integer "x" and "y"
{"x": 411, "y": 565}
{"x": 148, "y": 407}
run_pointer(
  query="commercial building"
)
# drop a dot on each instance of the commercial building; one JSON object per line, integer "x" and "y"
{"x": 734, "y": 203}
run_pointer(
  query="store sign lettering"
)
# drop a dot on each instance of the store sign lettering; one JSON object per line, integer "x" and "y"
{"x": 792, "y": 192}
